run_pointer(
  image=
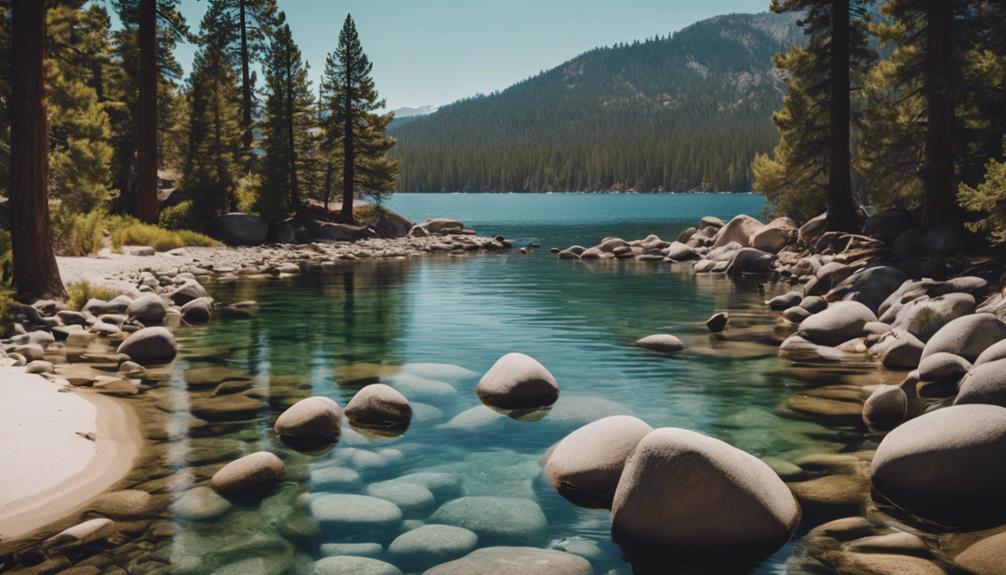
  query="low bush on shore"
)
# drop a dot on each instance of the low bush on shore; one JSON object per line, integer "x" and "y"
{"x": 84, "y": 234}
{"x": 77, "y": 234}
{"x": 78, "y": 293}
{"x": 128, "y": 231}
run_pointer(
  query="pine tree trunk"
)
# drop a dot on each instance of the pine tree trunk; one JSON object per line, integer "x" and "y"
{"x": 349, "y": 156}
{"x": 35, "y": 271}
{"x": 939, "y": 202}
{"x": 146, "y": 120}
{"x": 246, "y": 89}
{"x": 841, "y": 211}
{"x": 291, "y": 138}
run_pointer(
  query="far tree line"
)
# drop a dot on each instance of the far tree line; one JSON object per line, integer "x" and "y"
{"x": 95, "y": 114}
{"x": 895, "y": 103}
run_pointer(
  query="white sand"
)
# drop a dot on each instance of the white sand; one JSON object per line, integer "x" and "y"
{"x": 47, "y": 469}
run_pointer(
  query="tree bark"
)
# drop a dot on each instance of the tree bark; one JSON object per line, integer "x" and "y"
{"x": 291, "y": 136}
{"x": 35, "y": 271}
{"x": 146, "y": 120}
{"x": 939, "y": 202}
{"x": 349, "y": 156}
{"x": 841, "y": 211}
{"x": 246, "y": 90}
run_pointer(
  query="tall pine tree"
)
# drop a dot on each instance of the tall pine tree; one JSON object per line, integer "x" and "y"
{"x": 812, "y": 160}
{"x": 353, "y": 103}
{"x": 290, "y": 115}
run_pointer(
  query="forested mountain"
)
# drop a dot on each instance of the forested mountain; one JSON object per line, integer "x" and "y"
{"x": 676, "y": 113}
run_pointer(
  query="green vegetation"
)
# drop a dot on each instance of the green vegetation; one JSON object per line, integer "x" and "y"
{"x": 988, "y": 198}
{"x": 78, "y": 293}
{"x": 75, "y": 234}
{"x": 129, "y": 231}
{"x": 676, "y": 113}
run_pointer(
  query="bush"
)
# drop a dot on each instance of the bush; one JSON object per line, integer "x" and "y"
{"x": 6, "y": 284}
{"x": 78, "y": 293}
{"x": 179, "y": 217}
{"x": 77, "y": 234}
{"x": 248, "y": 192}
{"x": 988, "y": 199}
{"x": 128, "y": 231}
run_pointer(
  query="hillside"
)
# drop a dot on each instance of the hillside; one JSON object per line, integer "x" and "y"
{"x": 669, "y": 114}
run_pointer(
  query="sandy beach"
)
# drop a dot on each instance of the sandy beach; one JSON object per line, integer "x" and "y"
{"x": 66, "y": 446}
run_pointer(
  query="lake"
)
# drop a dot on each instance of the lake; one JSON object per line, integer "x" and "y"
{"x": 431, "y": 327}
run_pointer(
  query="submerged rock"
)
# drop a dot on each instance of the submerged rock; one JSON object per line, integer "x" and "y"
{"x": 429, "y": 545}
{"x": 586, "y": 465}
{"x": 517, "y": 381}
{"x": 515, "y": 561}
{"x": 351, "y": 516}
{"x": 684, "y": 489}
{"x": 349, "y": 565}
{"x": 496, "y": 520}
{"x": 251, "y": 475}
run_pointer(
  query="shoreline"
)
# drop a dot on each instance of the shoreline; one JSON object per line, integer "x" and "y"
{"x": 75, "y": 469}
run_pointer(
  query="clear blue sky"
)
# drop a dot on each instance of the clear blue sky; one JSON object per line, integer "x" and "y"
{"x": 433, "y": 52}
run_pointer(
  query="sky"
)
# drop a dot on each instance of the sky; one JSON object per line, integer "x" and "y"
{"x": 434, "y": 52}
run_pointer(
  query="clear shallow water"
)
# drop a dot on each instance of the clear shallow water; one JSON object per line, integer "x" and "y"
{"x": 320, "y": 333}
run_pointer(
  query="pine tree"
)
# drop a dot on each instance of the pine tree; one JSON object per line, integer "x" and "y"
{"x": 353, "y": 103}
{"x": 290, "y": 117}
{"x": 79, "y": 131}
{"x": 35, "y": 271}
{"x": 244, "y": 33}
{"x": 211, "y": 165}
{"x": 813, "y": 157}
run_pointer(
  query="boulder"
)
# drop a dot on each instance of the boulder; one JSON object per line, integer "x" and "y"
{"x": 943, "y": 366}
{"x": 684, "y": 489}
{"x": 904, "y": 352}
{"x": 311, "y": 420}
{"x": 925, "y": 316}
{"x": 776, "y": 235}
{"x": 413, "y": 499}
{"x": 585, "y": 465}
{"x": 985, "y": 383}
{"x": 839, "y": 323}
{"x": 795, "y": 314}
{"x": 679, "y": 252}
{"x": 187, "y": 292}
{"x": 887, "y": 225}
{"x": 379, "y": 405}
{"x": 148, "y": 309}
{"x": 886, "y": 408}
{"x": 994, "y": 352}
{"x": 496, "y": 520}
{"x": 81, "y": 533}
{"x": 251, "y": 475}
{"x": 515, "y": 561}
{"x": 517, "y": 381}
{"x": 661, "y": 342}
{"x": 198, "y": 311}
{"x": 242, "y": 229}
{"x": 785, "y": 301}
{"x": 985, "y": 557}
{"x": 946, "y": 464}
{"x": 740, "y": 229}
{"x": 814, "y": 303}
{"x": 430, "y": 545}
{"x": 350, "y": 565}
{"x": 442, "y": 226}
{"x": 354, "y": 516}
{"x": 811, "y": 229}
{"x": 341, "y": 232}
{"x": 150, "y": 345}
{"x": 870, "y": 286}
{"x": 717, "y": 322}
{"x": 751, "y": 261}
{"x": 200, "y": 504}
{"x": 967, "y": 336}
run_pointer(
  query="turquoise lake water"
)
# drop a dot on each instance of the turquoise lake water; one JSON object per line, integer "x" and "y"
{"x": 325, "y": 332}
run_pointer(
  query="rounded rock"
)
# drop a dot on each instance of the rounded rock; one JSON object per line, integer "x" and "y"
{"x": 985, "y": 383}
{"x": 356, "y": 514}
{"x": 496, "y": 520}
{"x": 148, "y": 308}
{"x": 718, "y": 322}
{"x": 515, "y": 561}
{"x": 837, "y": 324}
{"x": 310, "y": 420}
{"x": 250, "y": 475}
{"x": 661, "y": 342}
{"x": 585, "y": 465}
{"x": 349, "y": 565}
{"x": 517, "y": 381}
{"x": 150, "y": 345}
{"x": 430, "y": 545}
{"x": 379, "y": 405}
{"x": 943, "y": 366}
{"x": 967, "y": 336}
{"x": 681, "y": 488}
{"x": 886, "y": 407}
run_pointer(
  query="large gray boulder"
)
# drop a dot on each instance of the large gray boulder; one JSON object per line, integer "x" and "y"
{"x": 379, "y": 405}
{"x": 985, "y": 383}
{"x": 839, "y": 323}
{"x": 967, "y": 336}
{"x": 515, "y": 561}
{"x": 943, "y": 366}
{"x": 871, "y": 286}
{"x": 679, "y": 252}
{"x": 993, "y": 352}
{"x": 242, "y": 229}
{"x": 740, "y": 229}
{"x": 585, "y": 465}
{"x": 948, "y": 463}
{"x": 197, "y": 311}
{"x": 886, "y": 408}
{"x": 148, "y": 309}
{"x": 150, "y": 345}
{"x": 682, "y": 488}
{"x": 341, "y": 232}
{"x": 517, "y": 381}
{"x": 188, "y": 291}
{"x": 751, "y": 261}
{"x": 310, "y": 420}
{"x": 775, "y": 235}
{"x": 903, "y": 351}
{"x": 924, "y": 316}
{"x": 250, "y": 475}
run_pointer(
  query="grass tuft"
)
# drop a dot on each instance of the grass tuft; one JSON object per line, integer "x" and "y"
{"x": 78, "y": 293}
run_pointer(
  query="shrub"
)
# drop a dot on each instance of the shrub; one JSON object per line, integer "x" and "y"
{"x": 128, "y": 231}
{"x": 78, "y": 293}
{"x": 6, "y": 284}
{"x": 989, "y": 199}
{"x": 248, "y": 193}
{"x": 179, "y": 217}
{"x": 77, "y": 234}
